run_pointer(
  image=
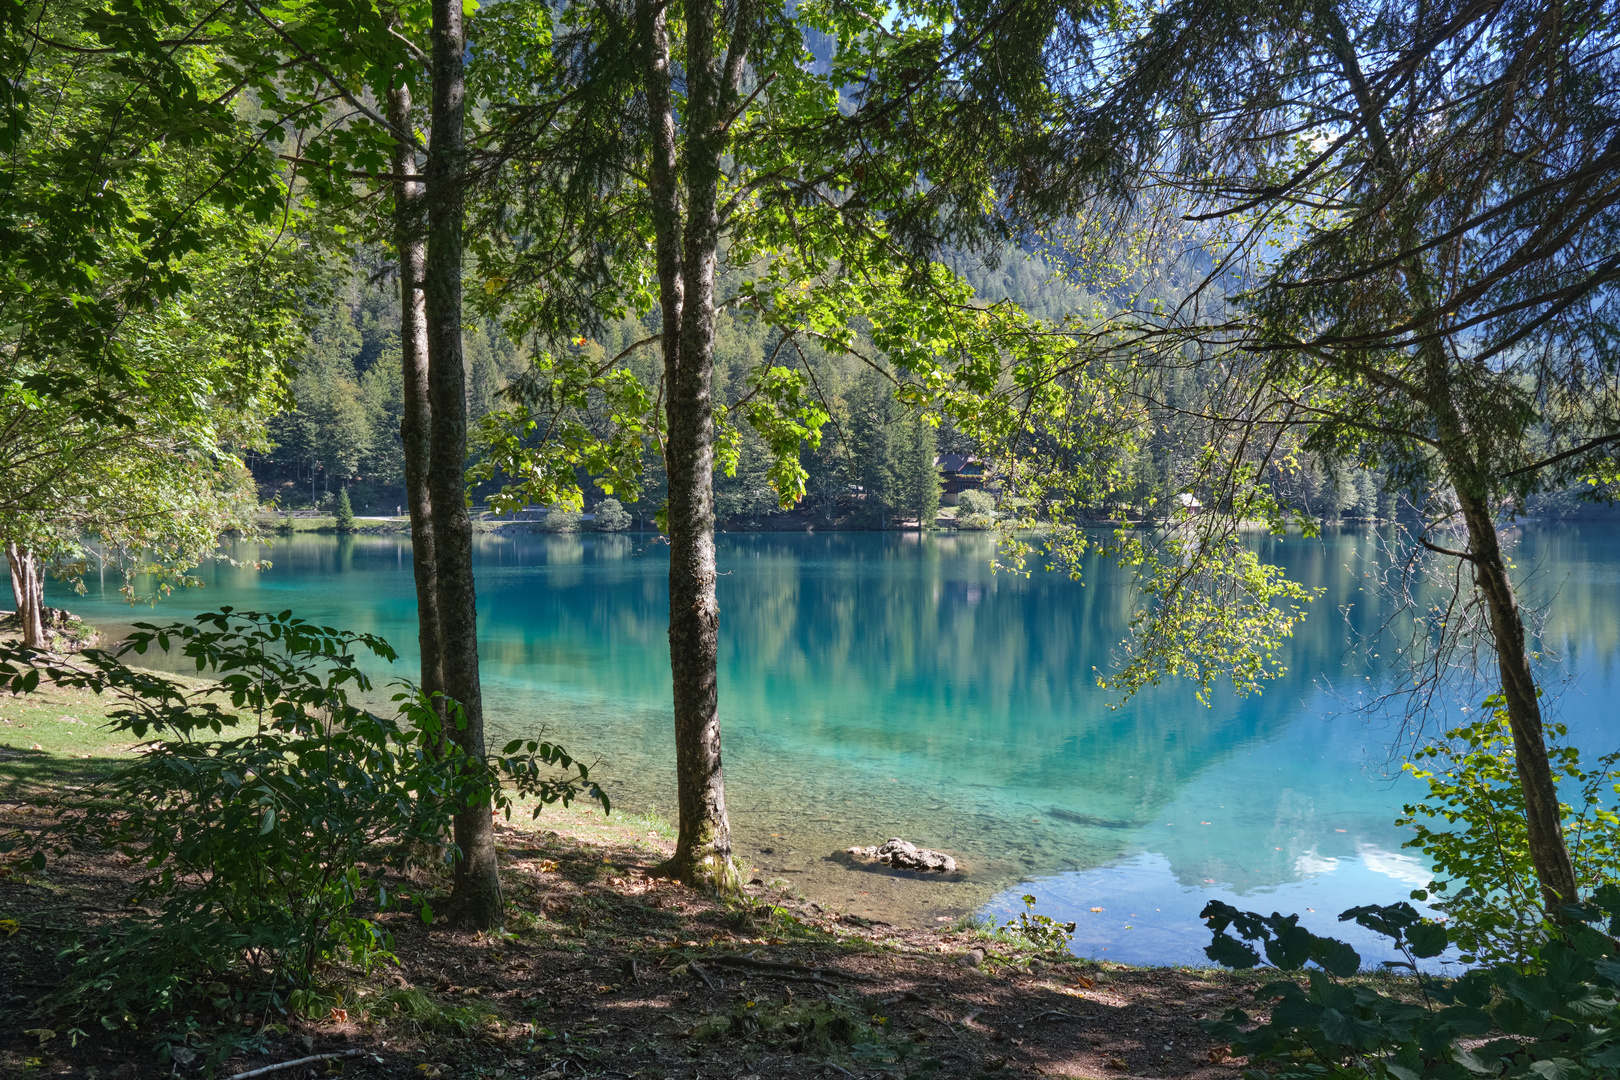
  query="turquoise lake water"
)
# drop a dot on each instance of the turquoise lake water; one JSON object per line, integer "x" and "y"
{"x": 877, "y": 685}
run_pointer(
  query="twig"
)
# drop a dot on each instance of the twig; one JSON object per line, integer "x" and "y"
{"x": 311, "y": 1060}
{"x": 704, "y": 975}
{"x": 1054, "y": 1013}
{"x": 840, "y": 1068}
{"x": 775, "y": 965}
{"x": 784, "y": 976}
{"x": 908, "y": 995}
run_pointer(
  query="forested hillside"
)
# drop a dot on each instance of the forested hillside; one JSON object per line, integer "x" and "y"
{"x": 874, "y": 466}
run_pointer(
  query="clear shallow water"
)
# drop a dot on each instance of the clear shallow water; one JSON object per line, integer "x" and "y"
{"x": 888, "y": 684}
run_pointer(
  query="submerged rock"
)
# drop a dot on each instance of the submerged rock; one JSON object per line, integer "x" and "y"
{"x": 904, "y": 855}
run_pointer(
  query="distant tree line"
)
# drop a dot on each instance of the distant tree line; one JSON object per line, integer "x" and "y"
{"x": 874, "y": 467}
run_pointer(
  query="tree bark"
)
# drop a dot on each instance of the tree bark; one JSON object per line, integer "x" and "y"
{"x": 686, "y": 256}
{"x": 416, "y": 425}
{"x": 28, "y": 590}
{"x": 475, "y": 900}
{"x": 1548, "y": 852}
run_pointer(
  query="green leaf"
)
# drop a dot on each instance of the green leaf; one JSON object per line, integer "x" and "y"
{"x": 1427, "y": 939}
{"x": 1230, "y": 952}
{"x": 1609, "y": 969}
{"x": 1336, "y": 958}
{"x": 1608, "y": 1058}
{"x": 1558, "y": 1069}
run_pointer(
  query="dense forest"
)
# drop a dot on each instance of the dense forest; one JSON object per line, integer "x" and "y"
{"x": 874, "y": 467}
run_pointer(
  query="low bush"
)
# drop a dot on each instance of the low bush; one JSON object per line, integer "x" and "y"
{"x": 978, "y": 503}
{"x": 1471, "y": 825}
{"x": 1041, "y": 931}
{"x": 264, "y": 810}
{"x": 561, "y": 521}
{"x": 1554, "y": 1018}
{"x": 611, "y": 516}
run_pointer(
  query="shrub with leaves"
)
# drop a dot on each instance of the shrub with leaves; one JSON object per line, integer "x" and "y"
{"x": 1558, "y": 1020}
{"x": 974, "y": 501}
{"x": 1471, "y": 825}
{"x": 611, "y": 516}
{"x": 264, "y": 807}
{"x": 1041, "y": 931}
{"x": 560, "y": 521}
{"x": 976, "y": 510}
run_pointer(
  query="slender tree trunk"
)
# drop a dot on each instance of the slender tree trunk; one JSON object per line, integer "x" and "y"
{"x": 1548, "y": 852}
{"x": 28, "y": 590}
{"x": 1544, "y": 829}
{"x": 415, "y": 427}
{"x": 475, "y": 900}
{"x": 686, "y": 267}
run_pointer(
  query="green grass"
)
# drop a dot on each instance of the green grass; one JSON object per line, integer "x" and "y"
{"x": 280, "y": 523}
{"x": 54, "y": 737}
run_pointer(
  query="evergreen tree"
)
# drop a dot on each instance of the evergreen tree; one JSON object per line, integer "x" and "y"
{"x": 917, "y": 478}
{"x": 872, "y": 415}
{"x": 1420, "y": 204}
{"x": 345, "y": 512}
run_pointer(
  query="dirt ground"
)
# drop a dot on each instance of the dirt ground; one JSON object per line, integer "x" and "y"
{"x": 604, "y": 971}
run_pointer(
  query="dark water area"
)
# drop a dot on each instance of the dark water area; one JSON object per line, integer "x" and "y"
{"x": 877, "y": 685}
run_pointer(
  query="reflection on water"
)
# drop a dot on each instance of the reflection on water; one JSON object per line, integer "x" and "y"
{"x": 879, "y": 685}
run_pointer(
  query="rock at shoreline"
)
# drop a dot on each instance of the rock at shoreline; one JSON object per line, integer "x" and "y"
{"x": 904, "y": 855}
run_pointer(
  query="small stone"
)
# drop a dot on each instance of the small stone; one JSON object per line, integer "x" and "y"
{"x": 972, "y": 958}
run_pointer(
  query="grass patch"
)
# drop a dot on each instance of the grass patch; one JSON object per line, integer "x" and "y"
{"x": 327, "y": 523}
{"x": 54, "y": 738}
{"x": 851, "y": 1030}
{"x": 416, "y": 1012}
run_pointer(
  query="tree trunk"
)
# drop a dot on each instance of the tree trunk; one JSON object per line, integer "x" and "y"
{"x": 686, "y": 267}
{"x": 475, "y": 899}
{"x": 1544, "y": 829}
{"x": 28, "y": 590}
{"x": 415, "y": 427}
{"x": 1548, "y": 852}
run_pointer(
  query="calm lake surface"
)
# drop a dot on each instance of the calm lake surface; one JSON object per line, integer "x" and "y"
{"x": 877, "y": 685}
